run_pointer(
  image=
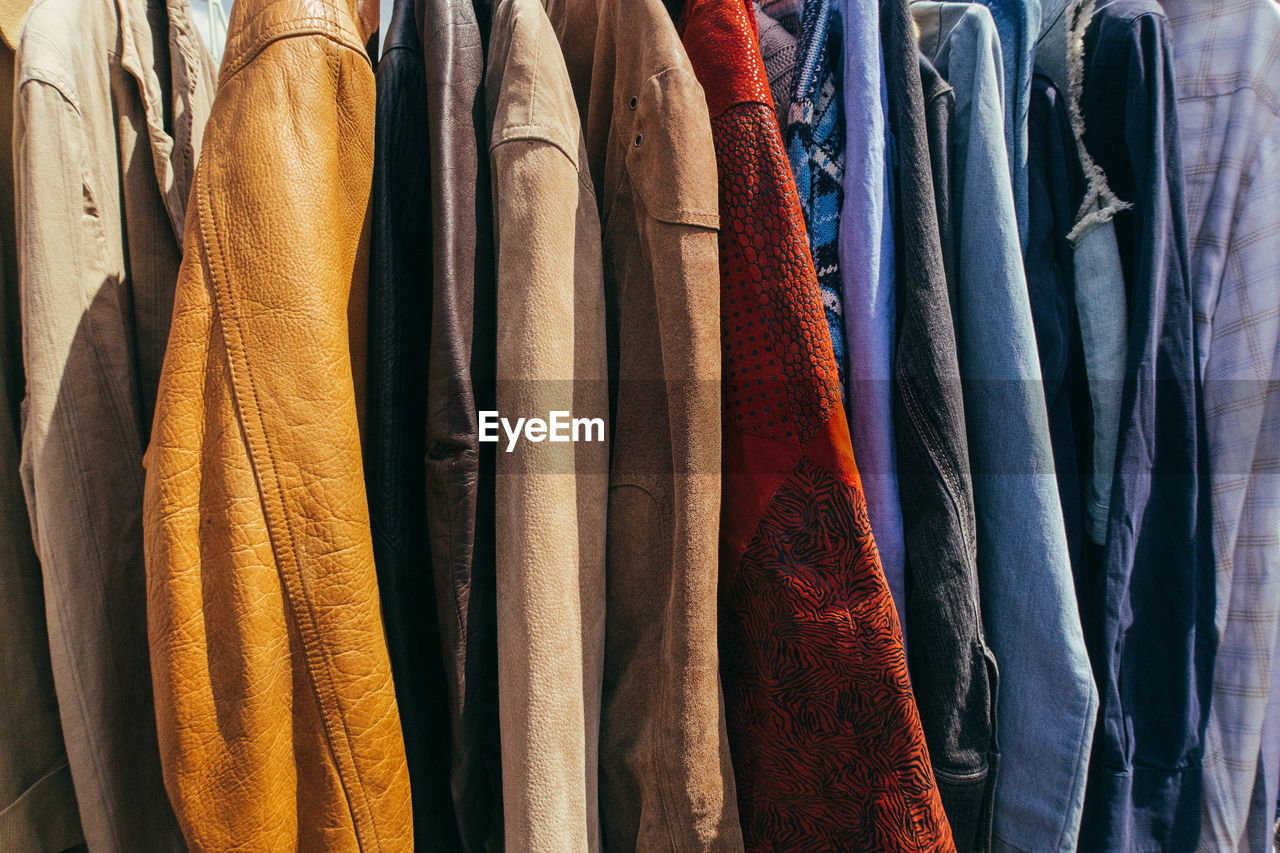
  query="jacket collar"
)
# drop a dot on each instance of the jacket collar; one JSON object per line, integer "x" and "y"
{"x": 174, "y": 150}
{"x": 11, "y": 14}
{"x": 402, "y": 31}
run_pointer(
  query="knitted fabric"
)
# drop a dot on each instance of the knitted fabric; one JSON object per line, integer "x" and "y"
{"x": 778, "y": 50}
{"x": 814, "y": 139}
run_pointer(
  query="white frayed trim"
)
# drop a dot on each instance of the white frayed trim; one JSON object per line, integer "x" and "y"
{"x": 1100, "y": 203}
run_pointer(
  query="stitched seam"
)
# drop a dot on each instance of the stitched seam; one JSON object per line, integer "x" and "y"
{"x": 535, "y": 133}
{"x": 267, "y": 479}
{"x": 951, "y": 479}
{"x": 31, "y": 791}
{"x": 54, "y": 80}
{"x": 311, "y": 26}
{"x": 654, "y": 750}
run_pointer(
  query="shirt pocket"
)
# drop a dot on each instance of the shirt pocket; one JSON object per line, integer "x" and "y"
{"x": 670, "y": 155}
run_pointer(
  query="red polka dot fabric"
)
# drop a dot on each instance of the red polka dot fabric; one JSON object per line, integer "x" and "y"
{"x": 827, "y": 748}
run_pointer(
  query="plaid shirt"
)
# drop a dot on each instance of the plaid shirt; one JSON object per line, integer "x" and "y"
{"x": 1227, "y": 76}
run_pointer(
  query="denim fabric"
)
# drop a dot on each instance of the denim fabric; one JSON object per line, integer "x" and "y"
{"x": 1099, "y": 278}
{"x": 1020, "y": 23}
{"x": 866, "y": 270}
{"x": 939, "y": 116}
{"x": 1149, "y": 605}
{"x": 1100, "y": 301}
{"x": 1047, "y": 702}
{"x": 952, "y": 672}
{"x": 1055, "y": 185}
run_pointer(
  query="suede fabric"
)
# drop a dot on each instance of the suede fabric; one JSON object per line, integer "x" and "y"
{"x": 274, "y": 701}
{"x": 551, "y": 498}
{"x": 666, "y": 781}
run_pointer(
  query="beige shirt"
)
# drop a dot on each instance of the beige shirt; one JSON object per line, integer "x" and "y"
{"x": 37, "y": 800}
{"x": 110, "y": 105}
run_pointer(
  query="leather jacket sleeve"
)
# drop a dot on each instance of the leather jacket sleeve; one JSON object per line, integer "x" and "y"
{"x": 275, "y": 708}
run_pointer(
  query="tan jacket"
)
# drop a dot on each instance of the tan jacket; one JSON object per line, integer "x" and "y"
{"x": 109, "y": 109}
{"x": 666, "y": 781}
{"x": 276, "y": 713}
{"x": 37, "y": 800}
{"x": 551, "y": 497}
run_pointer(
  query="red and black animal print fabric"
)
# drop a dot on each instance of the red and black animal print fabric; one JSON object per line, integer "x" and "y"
{"x": 827, "y": 747}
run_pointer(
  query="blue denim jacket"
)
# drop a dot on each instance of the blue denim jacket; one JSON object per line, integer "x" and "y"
{"x": 1047, "y": 700}
{"x": 1020, "y": 24}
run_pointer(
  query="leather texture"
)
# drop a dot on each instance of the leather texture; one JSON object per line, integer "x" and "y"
{"x": 666, "y": 780}
{"x": 38, "y": 809}
{"x": 400, "y": 314}
{"x": 827, "y": 744}
{"x": 275, "y": 707}
{"x": 551, "y": 498}
{"x": 110, "y": 105}
{"x": 459, "y": 471}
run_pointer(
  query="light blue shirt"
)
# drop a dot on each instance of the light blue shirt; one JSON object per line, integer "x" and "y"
{"x": 866, "y": 266}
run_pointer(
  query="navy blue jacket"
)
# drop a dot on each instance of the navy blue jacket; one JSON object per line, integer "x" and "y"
{"x": 1148, "y": 597}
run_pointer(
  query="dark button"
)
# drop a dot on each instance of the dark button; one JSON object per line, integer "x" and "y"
{"x": 639, "y": 137}
{"x": 634, "y": 101}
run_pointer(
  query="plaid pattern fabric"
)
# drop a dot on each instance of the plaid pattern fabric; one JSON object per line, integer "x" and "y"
{"x": 814, "y": 141}
{"x": 1227, "y": 76}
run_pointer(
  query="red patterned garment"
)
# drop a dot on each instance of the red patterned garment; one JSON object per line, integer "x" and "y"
{"x": 825, "y": 737}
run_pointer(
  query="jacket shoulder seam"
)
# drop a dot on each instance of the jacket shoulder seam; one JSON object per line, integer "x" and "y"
{"x": 535, "y": 133}
{"x": 298, "y": 28}
{"x": 55, "y": 81}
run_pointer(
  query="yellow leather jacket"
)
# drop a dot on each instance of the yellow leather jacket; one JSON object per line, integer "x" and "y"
{"x": 275, "y": 707}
